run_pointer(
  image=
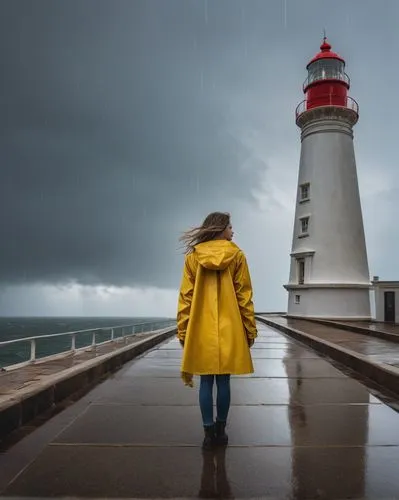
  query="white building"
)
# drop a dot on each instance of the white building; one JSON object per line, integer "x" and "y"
{"x": 329, "y": 275}
{"x": 386, "y": 296}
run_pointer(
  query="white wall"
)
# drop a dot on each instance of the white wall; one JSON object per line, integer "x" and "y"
{"x": 335, "y": 245}
{"x": 372, "y": 303}
{"x": 330, "y": 303}
{"x": 336, "y": 232}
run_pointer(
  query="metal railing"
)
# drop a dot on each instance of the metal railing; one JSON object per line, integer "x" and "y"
{"x": 331, "y": 100}
{"x": 327, "y": 76}
{"x": 76, "y": 341}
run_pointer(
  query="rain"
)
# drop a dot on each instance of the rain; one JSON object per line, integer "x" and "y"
{"x": 176, "y": 104}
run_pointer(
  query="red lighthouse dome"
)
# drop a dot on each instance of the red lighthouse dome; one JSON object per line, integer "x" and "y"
{"x": 327, "y": 84}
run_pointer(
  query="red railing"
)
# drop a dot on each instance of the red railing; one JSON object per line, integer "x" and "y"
{"x": 331, "y": 100}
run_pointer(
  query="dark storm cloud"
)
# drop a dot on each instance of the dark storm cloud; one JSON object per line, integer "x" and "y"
{"x": 115, "y": 126}
{"x": 124, "y": 120}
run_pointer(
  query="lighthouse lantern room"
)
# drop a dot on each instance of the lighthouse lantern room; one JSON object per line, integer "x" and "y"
{"x": 329, "y": 274}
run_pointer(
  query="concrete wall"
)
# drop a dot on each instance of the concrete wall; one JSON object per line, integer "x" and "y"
{"x": 332, "y": 303}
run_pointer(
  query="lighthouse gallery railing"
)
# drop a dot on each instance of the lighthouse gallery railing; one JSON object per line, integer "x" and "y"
{"x": 350, "y": 103}
{"x": 326, "y": 75}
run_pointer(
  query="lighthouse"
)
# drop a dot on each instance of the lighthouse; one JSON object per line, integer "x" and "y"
{"x": 329, "y": 274}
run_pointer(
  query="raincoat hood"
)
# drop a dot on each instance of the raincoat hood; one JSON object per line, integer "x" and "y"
{"x": 216, "y": 254}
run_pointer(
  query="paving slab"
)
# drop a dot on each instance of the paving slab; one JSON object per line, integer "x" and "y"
{"x": 299, "y": 428}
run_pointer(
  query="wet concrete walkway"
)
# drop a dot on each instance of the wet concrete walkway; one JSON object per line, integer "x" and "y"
{"x": 13, "y": 380}
{"x": 374, "y": 326}
{"x": 377, "y": 350}
{"x": 299, "y": 428}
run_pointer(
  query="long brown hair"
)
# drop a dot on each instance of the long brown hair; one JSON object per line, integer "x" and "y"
{"x": 212, "y": 227}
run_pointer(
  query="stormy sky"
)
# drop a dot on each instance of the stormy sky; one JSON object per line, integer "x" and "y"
{"x": 124, "y": 122}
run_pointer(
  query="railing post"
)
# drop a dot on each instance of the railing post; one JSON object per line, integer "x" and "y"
{"x": 112, "y": 334}
{"x": 93, "y": 340}
{"x": 33, "y": 350}
{"x": 73, "y": 342}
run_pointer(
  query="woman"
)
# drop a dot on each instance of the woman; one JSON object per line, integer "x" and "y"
{"x": 215, "y": 320}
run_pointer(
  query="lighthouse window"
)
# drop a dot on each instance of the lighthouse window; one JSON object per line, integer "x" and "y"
{"x": 325, "y": 69}
{"x": 301, "y": 271}
{"x": 297, "y": 299}
{"x": 305, "y": 191}
{"x": 304, "y": 225}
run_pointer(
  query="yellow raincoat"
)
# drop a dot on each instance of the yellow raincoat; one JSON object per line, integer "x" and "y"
{"x": 215, "y": 315}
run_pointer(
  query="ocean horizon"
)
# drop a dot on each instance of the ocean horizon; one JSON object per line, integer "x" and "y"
{"x": 13, "y": 327}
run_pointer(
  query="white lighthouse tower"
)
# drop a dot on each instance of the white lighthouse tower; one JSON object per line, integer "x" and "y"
{"x": 329, "y": 275}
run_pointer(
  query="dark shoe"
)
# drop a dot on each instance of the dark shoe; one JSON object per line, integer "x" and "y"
{"x": 221, "y": 437}
{"x": 209, "y": 439}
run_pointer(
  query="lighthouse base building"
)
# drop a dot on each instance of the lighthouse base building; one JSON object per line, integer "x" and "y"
{"x": 329, "y": 275}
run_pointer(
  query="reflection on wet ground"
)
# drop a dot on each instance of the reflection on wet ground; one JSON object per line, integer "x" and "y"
{"x": 299, "y": 428}
{"x": 378, "y": 350}
{"x": 375, "y": 325}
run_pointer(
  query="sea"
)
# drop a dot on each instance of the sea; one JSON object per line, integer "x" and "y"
{"x": 22, "y": 327}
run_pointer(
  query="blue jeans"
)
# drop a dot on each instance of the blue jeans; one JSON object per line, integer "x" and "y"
{"x": 206, "y": 398}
